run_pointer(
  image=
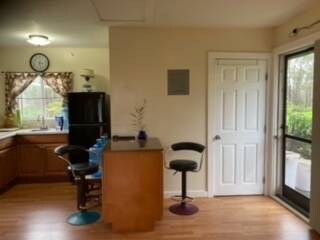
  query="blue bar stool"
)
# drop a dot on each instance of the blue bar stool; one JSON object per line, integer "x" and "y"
{"x": 79, "y": 172}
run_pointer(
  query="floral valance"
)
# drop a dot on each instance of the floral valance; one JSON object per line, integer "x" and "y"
{"x": 15, "y": 84}
{"x": 60, "y": 82}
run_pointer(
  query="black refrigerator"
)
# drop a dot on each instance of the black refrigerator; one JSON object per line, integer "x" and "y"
{"x": 89, "y": 117}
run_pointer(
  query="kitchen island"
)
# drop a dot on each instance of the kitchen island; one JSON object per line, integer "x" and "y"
{"x": 133, "y": 185}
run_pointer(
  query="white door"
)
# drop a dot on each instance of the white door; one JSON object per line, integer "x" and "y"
{"x": 239, "y": 126}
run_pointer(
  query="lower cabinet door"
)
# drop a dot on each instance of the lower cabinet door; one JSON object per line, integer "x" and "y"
{"x": 8, "y": 166}
{"x": 31, "y": 161}
{"x": 54, "y": 166}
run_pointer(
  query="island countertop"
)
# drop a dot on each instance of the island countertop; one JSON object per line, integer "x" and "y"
{"x": 151, "y": 144}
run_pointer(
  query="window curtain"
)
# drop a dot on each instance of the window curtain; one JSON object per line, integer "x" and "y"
{"x": 15, "y": 84}
{"x": 61, "y": 83}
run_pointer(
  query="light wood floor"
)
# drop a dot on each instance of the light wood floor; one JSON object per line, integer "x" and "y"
{"x": 39, "y": 211}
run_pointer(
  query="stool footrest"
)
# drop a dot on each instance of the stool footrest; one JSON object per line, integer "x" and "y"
{"x": 178, "y": 198}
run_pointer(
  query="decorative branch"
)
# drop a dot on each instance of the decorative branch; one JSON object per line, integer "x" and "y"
{"x": 138, "y": 116}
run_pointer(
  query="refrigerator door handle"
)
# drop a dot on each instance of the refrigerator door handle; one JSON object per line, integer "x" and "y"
{"x": 100, "y": 105}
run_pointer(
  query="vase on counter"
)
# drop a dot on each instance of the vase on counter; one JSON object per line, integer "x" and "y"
{"x": 138, "y": 121}
{"x": 142, "y": 135}
{"x": 65, "y": 115}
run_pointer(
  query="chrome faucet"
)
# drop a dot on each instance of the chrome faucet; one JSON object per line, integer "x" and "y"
{"x": 43, "y": 123}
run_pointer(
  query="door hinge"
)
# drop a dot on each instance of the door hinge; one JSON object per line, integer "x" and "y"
{"x": 264, "y": 180}
{"x": 265, "y": 129}
{"x": 266, "y": 76}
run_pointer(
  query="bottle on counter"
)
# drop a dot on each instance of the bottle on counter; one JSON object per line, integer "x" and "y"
{"x": 65, "y": 115}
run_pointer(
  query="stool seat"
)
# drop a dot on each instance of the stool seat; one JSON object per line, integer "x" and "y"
{"x": 183, "y": 165}
{"x": 82, "y": 169}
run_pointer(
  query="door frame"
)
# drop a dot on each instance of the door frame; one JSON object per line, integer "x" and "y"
{"x": 278, "y": 57}
{"x": 212, "y": 58}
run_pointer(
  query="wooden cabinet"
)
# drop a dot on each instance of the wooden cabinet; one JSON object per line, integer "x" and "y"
{"x": 31, "y": 161}
{"x": 133, "y": 185}
{"x": 8, "y": 162}
{"x": 31, "y": 158}
{"x": 54, "y": 166}
{"x": 37, "y": 161}
{"x": 8, "y": 166}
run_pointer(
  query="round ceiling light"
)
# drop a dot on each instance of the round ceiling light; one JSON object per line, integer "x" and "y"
{"x": 38, "y": 40}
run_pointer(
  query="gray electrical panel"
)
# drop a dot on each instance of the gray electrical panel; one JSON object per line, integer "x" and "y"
{"x": 178, "y": 82}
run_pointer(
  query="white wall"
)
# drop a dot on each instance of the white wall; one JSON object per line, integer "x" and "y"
{"x": 139, "y": 60}
{"x": 61, "y": 59}
{"x": 281, "y": 33}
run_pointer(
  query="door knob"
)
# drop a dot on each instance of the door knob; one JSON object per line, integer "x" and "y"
{"x": 217, "y": 137}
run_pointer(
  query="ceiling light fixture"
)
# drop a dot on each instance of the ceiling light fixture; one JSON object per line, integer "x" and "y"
{"x": 38, "y": 40}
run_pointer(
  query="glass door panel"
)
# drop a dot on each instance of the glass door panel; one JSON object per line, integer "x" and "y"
{"x": 297, "y": 130}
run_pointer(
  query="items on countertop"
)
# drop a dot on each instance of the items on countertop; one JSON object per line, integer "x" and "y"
{"x": 138, "y": 122}
{"x": 62, "y": 121}
{"x": 59, "y": 123}
{"x": 123, "y": 138}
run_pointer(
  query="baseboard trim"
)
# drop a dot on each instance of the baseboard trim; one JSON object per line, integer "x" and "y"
{"x": 194, "y": 194}
{"x": 8, "y": 186}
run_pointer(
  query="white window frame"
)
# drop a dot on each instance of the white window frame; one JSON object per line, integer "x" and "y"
{"x": 31, "y": 122}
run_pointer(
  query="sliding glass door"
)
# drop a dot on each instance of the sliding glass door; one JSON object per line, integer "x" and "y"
{"x": 297, "y": 129}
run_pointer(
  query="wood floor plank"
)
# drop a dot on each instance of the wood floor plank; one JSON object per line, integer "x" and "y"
{"x": 39, "y": 212}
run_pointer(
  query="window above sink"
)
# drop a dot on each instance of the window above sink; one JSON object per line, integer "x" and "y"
{"x": 39, "y": 101}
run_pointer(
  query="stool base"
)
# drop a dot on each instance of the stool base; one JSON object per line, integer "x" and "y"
{"x": 83, "y": 218}
{"x": 183, "y": 209}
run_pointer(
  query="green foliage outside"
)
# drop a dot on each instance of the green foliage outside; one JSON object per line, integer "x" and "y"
{"x": 54, "y": 109}
{"x": 299, "y": 123}
{"x": 299, "y": 103}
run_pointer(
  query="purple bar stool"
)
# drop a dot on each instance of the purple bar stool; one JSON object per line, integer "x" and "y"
{"x": 184, "y": 207}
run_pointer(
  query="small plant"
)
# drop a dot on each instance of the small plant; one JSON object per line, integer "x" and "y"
{"x": 138, "y": 117}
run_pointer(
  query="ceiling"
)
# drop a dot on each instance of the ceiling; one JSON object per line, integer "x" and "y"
{"x": 68, "y": 23}
{"x": 201, "y": 13}
{"x": 84, "y": 23}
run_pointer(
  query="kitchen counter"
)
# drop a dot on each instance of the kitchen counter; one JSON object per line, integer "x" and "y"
{"x": 151, "y": 144}
{"x": 50, "y": 131}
